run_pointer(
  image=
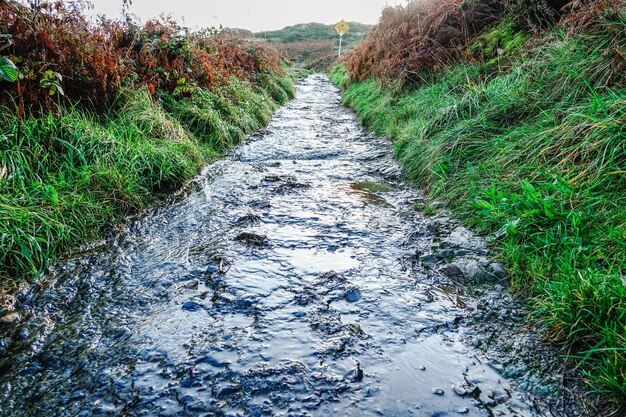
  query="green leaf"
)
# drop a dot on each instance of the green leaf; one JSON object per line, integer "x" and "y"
{"x": 8, "y": 70}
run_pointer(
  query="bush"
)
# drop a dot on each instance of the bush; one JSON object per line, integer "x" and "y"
{"x": 59, "y": 52}
{"x": 423, "y": 35}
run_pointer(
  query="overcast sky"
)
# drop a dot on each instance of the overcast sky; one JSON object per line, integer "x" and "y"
{"x": 256, "y": 15}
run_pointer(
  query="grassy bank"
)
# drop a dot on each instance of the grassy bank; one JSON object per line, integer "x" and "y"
{"x": 82, "y": 153}
{"x": 71, "y": 173}
{"x": 529, "y": 148}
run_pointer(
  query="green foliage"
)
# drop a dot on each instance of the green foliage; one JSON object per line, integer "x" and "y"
{"x": 51, "y": 81}
{"x": 504, "y": 38}
{"x": 535, "y": 158}
{"x": 8, "y": 70}
{"x": 64, "y": 176}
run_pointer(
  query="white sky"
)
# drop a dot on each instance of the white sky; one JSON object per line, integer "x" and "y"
{"x": 255, "y": 15}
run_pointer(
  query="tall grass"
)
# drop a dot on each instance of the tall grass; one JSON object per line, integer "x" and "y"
{"x": 534, "y": 157}
{"x": 66, "y": 175}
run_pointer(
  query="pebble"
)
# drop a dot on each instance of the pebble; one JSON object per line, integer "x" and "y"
{"x": 227, "y": 390}
{"x": 422, "y": 368}
{"x": 476, "y": 343}
{"x": 353, "y": 295}
{"x": 438, "y": 391}
{"x": 463, "y": 410}
{"x": 193, "y": 285}
{"x": 191, "y": 306}
{"x": 459, "y": 390}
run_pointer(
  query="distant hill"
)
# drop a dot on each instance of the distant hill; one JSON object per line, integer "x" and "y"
{"x": 314, "y": 31}
{"x": 313, "y": 45}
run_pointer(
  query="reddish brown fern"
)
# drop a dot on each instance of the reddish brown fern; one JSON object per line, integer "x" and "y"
{"x": 420, "y": 35}
{"x": 96, "y": 60}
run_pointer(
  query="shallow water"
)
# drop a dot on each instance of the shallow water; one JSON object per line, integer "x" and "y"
{"x": 284, "y": 283}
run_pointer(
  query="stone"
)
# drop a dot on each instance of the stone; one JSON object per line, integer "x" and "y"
{"x": 498, "y": 270}
{"x": 353, "y": 295}
{"x": 191, "y": 306}
{"x": 476, "y": 342}
{"x": 227, "y": 390}
{"x": 438, "y": 391}
{"x": 252, "y": 239}
{"x": 193, "y": 285}
{"x": 11, "y": 318}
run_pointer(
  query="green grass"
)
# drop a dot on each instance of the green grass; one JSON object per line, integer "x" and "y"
{"x": 63, "y": 177}
{"x": 534, "y": 157}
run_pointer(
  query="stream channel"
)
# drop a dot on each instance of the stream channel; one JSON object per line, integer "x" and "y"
{"x": 293, "y": 278}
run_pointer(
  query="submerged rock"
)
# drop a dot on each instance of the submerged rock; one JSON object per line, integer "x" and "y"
{"x": 353, "y": 295}
{"x": 469, "y": 271}
{"x": 252, "y": 239}
{"x": 191, "y": 306}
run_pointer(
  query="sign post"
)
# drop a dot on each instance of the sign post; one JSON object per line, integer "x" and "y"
{"x": 341, "y": 28}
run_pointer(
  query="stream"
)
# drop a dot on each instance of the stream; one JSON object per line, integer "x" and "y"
{"x": 293, "y": 278}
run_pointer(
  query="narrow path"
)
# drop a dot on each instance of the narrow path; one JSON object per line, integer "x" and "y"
{"x": 284, "y": 283}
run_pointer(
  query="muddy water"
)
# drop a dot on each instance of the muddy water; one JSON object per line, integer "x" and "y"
{"x": 284, "y": 283}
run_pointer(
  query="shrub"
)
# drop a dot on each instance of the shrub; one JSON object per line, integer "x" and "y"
{"x": 58, "y": 51}
{"x": 421, "y": 35}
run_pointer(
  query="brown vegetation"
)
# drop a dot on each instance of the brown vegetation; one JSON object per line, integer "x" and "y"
{"x": 420, "y": 35}
{"x": 60, "y": 52}
{"x": 430, "y": 35}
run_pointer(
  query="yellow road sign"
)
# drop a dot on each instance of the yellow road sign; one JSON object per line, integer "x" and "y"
{"x": 342, "y": 27}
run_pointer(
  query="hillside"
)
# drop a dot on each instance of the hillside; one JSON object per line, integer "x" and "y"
{"x": 314, "y": 31}
{"x": 313, "y": 45}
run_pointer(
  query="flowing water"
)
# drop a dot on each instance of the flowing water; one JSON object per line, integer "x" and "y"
{"x": 283, "y": 283}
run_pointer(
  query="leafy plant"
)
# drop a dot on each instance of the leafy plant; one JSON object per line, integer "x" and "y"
{"x": 51, "y": 81}
{"x": 8, "y": 70}
{"x": 184, "y": 88}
